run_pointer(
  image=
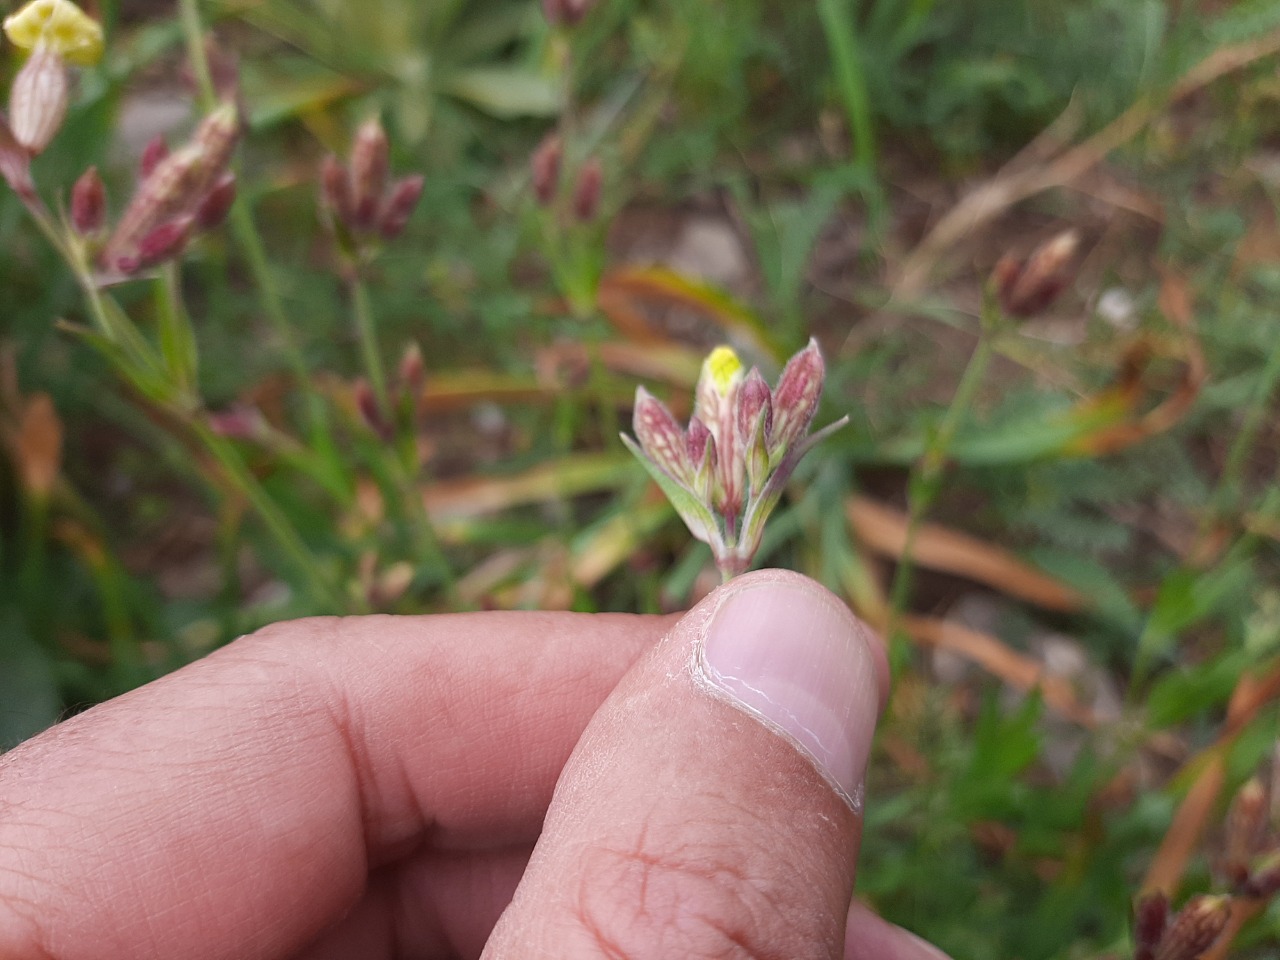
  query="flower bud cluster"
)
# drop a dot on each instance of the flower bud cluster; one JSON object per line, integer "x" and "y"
{"x": 407, "y": 397}
{"x": 724, "y": 473}
{"x": 359, "y": 199}
{"x": 181, "y": 194}
{"x": 545, "y": 166}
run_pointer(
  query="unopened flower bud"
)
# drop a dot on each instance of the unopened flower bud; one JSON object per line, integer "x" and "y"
{"x": 586, "y": 192}
{"x": 1264, "y": 877}
{"x": 1194, "y": 928}
{"x": 370, "y": 163}
{"x": 369, "y": 410}
{"x": 159, "y": 245}
{"x": 238, "y": 423}
{"x": 412, "y": 372}
{"x": 177, "y": 187}
{"x": 1026, "y": 289}
{"x": 553, "y": 10}
{"x": 15, "y": 163}
{"x": 1245, "y": 828}
{"x": 1150, "y": 917}
{"x": 58, "y": 25}
{"x": 572, "y": 11}
{"x": 335, "y": 190}
{"x": 88, "y": 203}
{"x": 153, "y": 154}
{"x": 544, "y": 168}
{"x": 38, "y": 99}
{"x": 401, "y": 201}
{"x": 216, "y": 137}
{"x": 217, "y": 203}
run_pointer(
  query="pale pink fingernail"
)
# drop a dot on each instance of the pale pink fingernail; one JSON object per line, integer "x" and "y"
{"x": 790, "y": 654}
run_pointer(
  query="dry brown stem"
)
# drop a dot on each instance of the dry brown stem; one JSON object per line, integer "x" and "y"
{"x": 1021, "y": 178}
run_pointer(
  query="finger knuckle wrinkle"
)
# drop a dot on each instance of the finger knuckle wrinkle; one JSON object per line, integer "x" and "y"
{"x": 638, "y": 904}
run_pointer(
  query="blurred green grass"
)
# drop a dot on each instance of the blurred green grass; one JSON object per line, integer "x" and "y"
{"x": 813, "y": 148}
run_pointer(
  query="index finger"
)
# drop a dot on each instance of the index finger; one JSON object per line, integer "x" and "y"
{"x": 235, "y": 807}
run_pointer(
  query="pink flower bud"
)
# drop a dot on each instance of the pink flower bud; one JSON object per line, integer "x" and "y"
{"x": 153, "y": 154}
{"x": 401, "y": 201}
{"x": 1194, "y": 928}
{"x": 15, "y": 163}
{"x": 335, "y": 190}
{"x": 795, "y": 401}
{"x": 217, "y": 203}
{"x": 1026, "y": 289}
{"x": 217, "y": 136}
{"x": 177, "y": 186}
{"x": 163, "y": 243}
{"x": 1150, "y": 916}
{"x": 1245, "y": 830}
{"x": 38, "y": 99}
{"x": 544, "y": 168}
{"x": 370, "y": 412}
{"x": 238, "y": 423}
{"x": 587, "y": 191}
{"x": 574, "y": 10}
{"x": 661, "y": 437}
{"x": 370, "y": 163}
{"x": 89, "y": 203}
{"x": 1264, "y": 877}
{"x": 553, "y": 10}
{"x": 412, "y": 372}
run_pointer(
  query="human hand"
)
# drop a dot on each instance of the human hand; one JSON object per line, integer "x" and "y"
{"x": 377, "y": 787}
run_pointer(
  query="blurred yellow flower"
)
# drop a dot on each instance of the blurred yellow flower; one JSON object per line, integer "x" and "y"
{"x": 57, "y": 25}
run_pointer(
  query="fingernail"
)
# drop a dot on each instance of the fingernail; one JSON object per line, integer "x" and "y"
{"x": 793, "y": 656}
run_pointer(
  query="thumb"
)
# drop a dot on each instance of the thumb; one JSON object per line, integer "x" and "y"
{"x": 712, "y": 808}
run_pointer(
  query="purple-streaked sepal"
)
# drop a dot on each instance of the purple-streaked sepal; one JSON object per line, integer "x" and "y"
{"x": 660, "y": 437}
{"x": 15, "y": 163}
{"x": 795, "y": 401}
{"x": 88, "y": 203}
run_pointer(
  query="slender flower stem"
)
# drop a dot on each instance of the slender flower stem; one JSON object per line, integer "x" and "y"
{"x": 368, "y": 336}
{"x": 193, "y": 33}
{"x": 402, "y": 469}
{"x": 240, "y": 478}
{"x": 1228, "y": 488}
{"x": 255, "y": 255}
{"x": 926, "y": 480}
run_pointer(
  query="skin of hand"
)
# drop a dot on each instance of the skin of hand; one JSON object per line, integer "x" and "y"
{"x": 497, "y": 785}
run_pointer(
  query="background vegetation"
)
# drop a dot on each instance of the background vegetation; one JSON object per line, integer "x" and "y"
{"x": 1072, "y": 547}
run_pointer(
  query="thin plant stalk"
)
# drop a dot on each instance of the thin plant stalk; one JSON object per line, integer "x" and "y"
{"x": 254, "y": 249}
{"x": 193, "y": 34}
{"x": 244, "y": 482}
{"x": 1228, "y": 488}
{"x": 367, "y": 334}
{"x": 926, "y": 479}
{"x": 839, "y": 24}
{"x": 403, "y": 473}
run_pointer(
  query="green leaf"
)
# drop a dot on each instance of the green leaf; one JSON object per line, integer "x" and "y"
{"x": 696, "y": 515}
{"x": 506, "y": 92}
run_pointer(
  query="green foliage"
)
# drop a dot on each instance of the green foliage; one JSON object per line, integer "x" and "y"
{"x": 823, "y": 139}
